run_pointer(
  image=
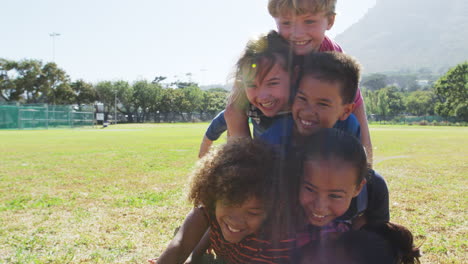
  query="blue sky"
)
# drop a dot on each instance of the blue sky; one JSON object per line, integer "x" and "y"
{"x": 140, "y": 39}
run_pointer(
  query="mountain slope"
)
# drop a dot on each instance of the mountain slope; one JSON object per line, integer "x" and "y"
{"x": 409, "y": 34}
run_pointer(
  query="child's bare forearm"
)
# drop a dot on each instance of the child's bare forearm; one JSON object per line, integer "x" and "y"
{"x": 237, "y": 122}
{"x": 204, "y": 147}
{"x": 360, "y": 113}
{"x": 186, "y": 239}
{"x": 197, "y": 255}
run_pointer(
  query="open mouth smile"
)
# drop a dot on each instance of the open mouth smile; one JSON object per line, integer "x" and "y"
{"x": 268, "y": 105}
{"x": 301, "y": 43}
{"x": 318, "y": 216}
{"x": 307, "y": 124}
{"x": 233, "y": 230}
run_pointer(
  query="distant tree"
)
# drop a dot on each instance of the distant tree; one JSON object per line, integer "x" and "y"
{"x": 370, "y": 100}
{"x": 406, "y": 82}
{"x": 213, "y": 101}
{"x": 32, "y": 82}
{"x": 420, "y": 103}
{"x": 54, "y": 84}
{"x": 106, "y": 95}
{"x": 28, "y": 73}
{"x": 84, "y": 92}
{"x": 159, "y": 79}
{"x": 193, "y": 97}
{"x": 125, "y": 99}
{"x": 374, "y": 81}
{"x": 8, "y": 89}
{"x": 62, "y": 94}
{"x": 143, "y": 94}
{"x": 168, "y": 99}
{"x": 221, "y": 90}
{"x": 155, "y": 99}
{"x": 389, "y": 102}
{"x": 452, "y": 92}
{"x": 182, "y": 85}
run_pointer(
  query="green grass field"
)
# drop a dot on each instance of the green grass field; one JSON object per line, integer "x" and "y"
{"x": 115, "y": 195}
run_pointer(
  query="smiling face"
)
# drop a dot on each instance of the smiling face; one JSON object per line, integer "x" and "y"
{"x": 271, "y": 93}
{"x": 237, "y": 222}
{"x": 318, "y": 104}
{"x": 327, "y": 189}
{"x": 305, "y": 33}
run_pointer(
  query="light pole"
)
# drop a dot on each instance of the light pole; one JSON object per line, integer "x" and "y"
{"x": 115, "y": 107}
{"x": 53, "y": 35}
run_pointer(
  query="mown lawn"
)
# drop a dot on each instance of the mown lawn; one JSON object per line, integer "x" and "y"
{"x": 115, "y": 195}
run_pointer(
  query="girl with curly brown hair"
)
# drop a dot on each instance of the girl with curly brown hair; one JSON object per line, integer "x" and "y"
{"x": 231, "y": 190}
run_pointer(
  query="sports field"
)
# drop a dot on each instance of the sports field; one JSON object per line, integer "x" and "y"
{"x": 115, "y": 195}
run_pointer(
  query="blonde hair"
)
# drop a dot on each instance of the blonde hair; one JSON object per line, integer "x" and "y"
{"x": 259, "y": 57}
{"x": 300, "y": 7}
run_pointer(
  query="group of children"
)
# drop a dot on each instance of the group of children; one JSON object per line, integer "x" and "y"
{"x": 301, "y": 191}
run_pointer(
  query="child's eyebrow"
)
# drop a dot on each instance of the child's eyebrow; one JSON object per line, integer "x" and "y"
{"x": 331, "y": 190}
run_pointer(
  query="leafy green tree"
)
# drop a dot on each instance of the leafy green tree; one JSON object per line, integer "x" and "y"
{"x": 370, "y": 101}
{"x": 180, "y": 104}
{"x": 144, "y": 94}
{"x": 374, "y": 81}
{"x": 85, "y": 93}
{"x": 8, "y": 89}
{"x": 193, "y": 99}
{"x": 126, "y": 101}
{"x": 213, "y": 101}
{"x": 54, "y": 84}
{"x": 28, "y": 73}
{"x": 168, "y": 101}
{"x": 106, "y": 94}
{"x": 452, "y": 92}
{"x": 420, "y": 103}
{"x": 159, "y": 79}
{"x": 389, "y": 102}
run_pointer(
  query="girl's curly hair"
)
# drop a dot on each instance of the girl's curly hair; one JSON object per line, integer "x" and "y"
{"x": 233, "y": 173}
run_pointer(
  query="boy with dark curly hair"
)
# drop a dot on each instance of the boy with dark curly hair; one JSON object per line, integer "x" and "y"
{"x": 231, "y": 191}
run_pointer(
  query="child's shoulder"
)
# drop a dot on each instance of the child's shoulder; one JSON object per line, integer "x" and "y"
{"x": 329, "y": 45}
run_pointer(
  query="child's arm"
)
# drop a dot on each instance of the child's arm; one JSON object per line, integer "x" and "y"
{"x": 197, "y": 255}
{"x": 186, "y": 239}
{"x": 237, "y": 122}
{"x": 214, "y": 131}
{"x": 204, "y": 147}
{"x": 360, "y": 113}
{"x": 378, "y": 206}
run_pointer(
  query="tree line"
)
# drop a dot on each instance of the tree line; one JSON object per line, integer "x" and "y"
{"x": 387, "y": 96}
{"x": 32, "y": 82}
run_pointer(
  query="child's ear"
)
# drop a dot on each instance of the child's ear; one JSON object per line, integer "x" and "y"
{"x": 359, "y": 187}
{"x": 331, "y": 21}
{"x": 348, "y": 109}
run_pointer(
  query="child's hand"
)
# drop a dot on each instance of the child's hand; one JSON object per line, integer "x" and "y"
{"x": 153, "y": 261}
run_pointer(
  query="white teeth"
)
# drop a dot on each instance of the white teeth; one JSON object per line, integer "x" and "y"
{"x": 318, "y": 216}
{"x": 306, "y": 123}
{"x": 232, "y": 229}
{"x": 300, "y": 42}
{"x": 268, "y": 104}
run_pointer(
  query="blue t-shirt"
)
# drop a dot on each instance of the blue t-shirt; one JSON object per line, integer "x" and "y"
{"x": 260, "y": 123}
{"x": 280, "y": 132}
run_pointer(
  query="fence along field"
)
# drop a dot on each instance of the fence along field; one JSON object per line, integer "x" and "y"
{"x": 43, "y": 116}
{"x": 115, "y": 195}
